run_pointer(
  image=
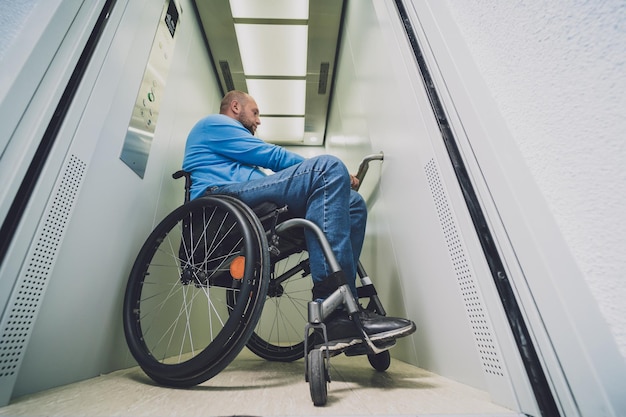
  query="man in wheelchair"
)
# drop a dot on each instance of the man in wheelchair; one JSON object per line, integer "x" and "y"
{"x": 224, "y": 157}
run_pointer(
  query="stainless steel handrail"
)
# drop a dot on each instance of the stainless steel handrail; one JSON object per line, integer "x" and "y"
{"x": 364, "y": 166}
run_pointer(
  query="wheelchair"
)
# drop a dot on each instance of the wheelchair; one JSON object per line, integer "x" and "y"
{"x": 216, "y": 275}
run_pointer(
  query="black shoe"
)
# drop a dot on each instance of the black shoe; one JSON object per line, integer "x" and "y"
{"x": 343, "y": 332}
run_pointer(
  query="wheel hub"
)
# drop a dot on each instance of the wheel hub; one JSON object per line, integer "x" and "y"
{"x": 275, "y": 290}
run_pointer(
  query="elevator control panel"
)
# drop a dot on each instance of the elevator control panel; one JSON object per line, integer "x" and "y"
{"x": 142, "y": 125}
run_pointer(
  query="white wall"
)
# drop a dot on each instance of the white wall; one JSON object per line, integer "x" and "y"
{"x": 379, "y": 104}
{"x": 557, "y": 73}
{"x": 78, "y": 333}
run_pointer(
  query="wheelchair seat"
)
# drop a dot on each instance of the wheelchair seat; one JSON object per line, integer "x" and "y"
{"x": 269, "y": 213}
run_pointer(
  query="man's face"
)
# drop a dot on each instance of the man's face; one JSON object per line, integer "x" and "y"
{"x": 249, "y": 115}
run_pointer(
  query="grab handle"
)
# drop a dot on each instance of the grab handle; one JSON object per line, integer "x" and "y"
{"x": 364, "y": 166}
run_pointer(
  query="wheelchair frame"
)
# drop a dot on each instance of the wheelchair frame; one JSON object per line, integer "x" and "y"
{"x": 241, "y": 230}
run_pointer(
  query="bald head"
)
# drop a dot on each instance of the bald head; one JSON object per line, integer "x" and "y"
{"x": 242, "y": 107}
{"x": 233, "y": 95}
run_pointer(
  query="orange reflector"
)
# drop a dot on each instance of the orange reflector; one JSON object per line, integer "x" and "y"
{"x": 237, "y": 267}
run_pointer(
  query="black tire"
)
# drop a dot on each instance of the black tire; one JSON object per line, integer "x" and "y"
{"x": 380, "y": 361}
{"x": 185, "y": 317}
{"x": 317, "y": 377}
{"x": 279, "y": 334}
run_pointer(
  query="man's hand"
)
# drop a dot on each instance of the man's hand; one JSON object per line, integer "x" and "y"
{"x": 354, "y": 182}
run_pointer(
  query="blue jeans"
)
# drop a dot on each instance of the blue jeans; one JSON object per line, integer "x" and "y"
{"x": 317, "y": 189}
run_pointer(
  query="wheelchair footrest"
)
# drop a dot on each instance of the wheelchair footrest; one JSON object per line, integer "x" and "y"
{"x": 363, "y": 348}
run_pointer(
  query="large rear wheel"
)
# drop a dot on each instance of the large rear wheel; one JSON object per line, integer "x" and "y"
{"x": 196, "y": 291}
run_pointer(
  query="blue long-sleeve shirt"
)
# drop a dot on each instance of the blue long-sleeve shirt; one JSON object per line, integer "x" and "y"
{"x": 220, "y": 151}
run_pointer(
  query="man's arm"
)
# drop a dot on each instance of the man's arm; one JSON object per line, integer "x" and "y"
{"x": 236, "y": 143}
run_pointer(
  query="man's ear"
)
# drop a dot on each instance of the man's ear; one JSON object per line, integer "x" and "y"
{"x": 235, "y": 107}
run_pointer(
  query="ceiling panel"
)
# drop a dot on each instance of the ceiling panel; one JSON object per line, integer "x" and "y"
{"x": 287, "y": 57}
{"x": 283, "y": 129}
{"x": 279, "y": 97}
{"x": 274, "y": 9}
{"x": 289, "y": 49}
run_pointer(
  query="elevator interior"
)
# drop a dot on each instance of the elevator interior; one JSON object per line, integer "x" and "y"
{"x": 81, "y": 195}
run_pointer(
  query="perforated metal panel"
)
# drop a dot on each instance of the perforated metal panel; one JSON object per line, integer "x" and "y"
{"x": 21, "y": 312}
{"x": 483, "y": 334}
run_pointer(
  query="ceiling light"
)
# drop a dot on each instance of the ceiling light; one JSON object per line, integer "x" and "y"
{"x": 270, "y": 9}
{"x": 287, "y": 129}
{"x": 273, "y": 50}
{"x": 278, "y": 97}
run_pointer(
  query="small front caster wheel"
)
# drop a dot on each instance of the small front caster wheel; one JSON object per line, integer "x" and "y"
{"x": 318, "y": 377}
{"x": 380, "y": 361}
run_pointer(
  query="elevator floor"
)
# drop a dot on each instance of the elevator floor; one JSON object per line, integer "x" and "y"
{"x": 253, "y": 387}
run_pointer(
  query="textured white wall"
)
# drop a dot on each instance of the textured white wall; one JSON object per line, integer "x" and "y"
{"x": 557, "y": 73}
{"x": 13, "y": 15}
